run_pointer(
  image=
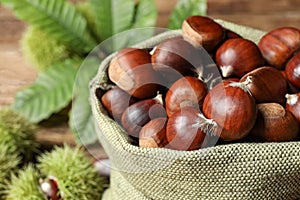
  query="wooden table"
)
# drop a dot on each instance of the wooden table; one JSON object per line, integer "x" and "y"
{"x": 16, "y": 73}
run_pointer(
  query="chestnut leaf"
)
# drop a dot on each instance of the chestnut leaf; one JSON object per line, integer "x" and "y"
{"x": 57, "y": 18}
{"x": 51, "y": 92}
{"x": 81, "y": 119}
{"x": 184, "y": 9}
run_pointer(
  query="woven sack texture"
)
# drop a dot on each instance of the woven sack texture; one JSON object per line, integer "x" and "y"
{"x": 234, "y": 171}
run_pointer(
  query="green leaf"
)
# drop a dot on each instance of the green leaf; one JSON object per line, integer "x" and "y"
{"x": 81, "y": 119}
{"x": 143, "y": 24}
{"x": 112, "y": 16}
{"x": 146, "y": 14}
{"x": 51, "y": 92}
{"x": 184, "y": 9}
{"x": 142, "y": 27}
{"x": 58, "y": 18}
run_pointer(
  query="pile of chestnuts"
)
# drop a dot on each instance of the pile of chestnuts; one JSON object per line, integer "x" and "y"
{"x": 206, "y": 87}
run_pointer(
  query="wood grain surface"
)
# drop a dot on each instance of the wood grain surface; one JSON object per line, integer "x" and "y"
{"x": 16, "y": 73}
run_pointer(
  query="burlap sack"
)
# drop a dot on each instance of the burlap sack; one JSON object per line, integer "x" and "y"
{"x": 234, "y": 171}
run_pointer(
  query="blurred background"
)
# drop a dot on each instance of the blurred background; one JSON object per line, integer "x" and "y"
{"x": 16, "y": 73}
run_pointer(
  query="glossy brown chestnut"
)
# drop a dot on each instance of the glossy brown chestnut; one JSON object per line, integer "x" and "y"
{"x": 140, "y": 113}
{"x": 293, "y": 70}
{"x": 174, "y": 58}
{"x": 187, "y": 91}
{"x": 279, "y": 45}
{"x": 274, "y": 124}
{"x": 132, "y": 71}
{"x": 153, "y": 134}
{"x": 293, "y": 104}
{"x": 202, "y": 31}
{"x": 233, "y": 108}
{"x": 267, "y": 85}
{"x": 231, "y": 34}
{"x": 187, "y": 129}
{"x": 115, "y": 101}
{"x": 237, "y": 57}
{"x": 291, "y": 88}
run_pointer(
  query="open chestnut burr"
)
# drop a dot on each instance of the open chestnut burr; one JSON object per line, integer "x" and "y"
{"x": 279, "y": 45}
{"x": 132, "y": 71}
{"x": 203, "y": 31}
{"x": 274, "y": 124}
{"x": 232, "y": 107}
{"x": 238, "y": 56}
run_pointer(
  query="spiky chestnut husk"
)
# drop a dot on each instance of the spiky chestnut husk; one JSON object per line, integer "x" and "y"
{"x": 41, "y": 50}
{"x": 17, "y": 133}
{"x": 9, "y": 161}
{"x": 25, "y": 185}
{"x": 75, "y": 174}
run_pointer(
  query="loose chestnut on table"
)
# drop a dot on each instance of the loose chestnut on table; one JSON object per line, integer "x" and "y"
{"x": 187, "y": 91}
{"x": 233, "y": 108}
{"x": 236, "y": 57}
{"x": 279, "y": 45}
{"x": 274, "y": 124}
{"x": 203, "y": 31}
{"x": 132, "y": 71}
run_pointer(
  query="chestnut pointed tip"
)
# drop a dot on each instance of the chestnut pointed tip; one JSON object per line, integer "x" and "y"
{"x": 291, "y": 99}
{"x": 227, "y": 71}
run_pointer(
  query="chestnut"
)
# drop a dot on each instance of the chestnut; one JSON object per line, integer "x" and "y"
{"x": 293, "y": 104}
{"x": 174, "y": 58}
{"x": 203, "y": 31}
{"x": 266, "y": 85}
{"x": 187, "y": 129}
{"x": 187, "y": 91}
{"x": 153, "y": 134}
{"x": 132, "y": 71}
{"x": 236, "y": 57}
{"x": 232, "y": 107}
{"x": 293, "y": 70}
{"x": 274, "y": 124}
{"x": 291, "y": 87}
{"x": 115, "y": 101}
{"x": 50, "y": 189}
{"x": 279, "y": 45}
{"x": 140, "y": 113}
{"x": 231, "y": 34}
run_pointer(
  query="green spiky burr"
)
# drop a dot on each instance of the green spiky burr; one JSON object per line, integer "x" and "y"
{"x": 17, "y": 133}
{"x": 74, "y": 173}
{"x": 41, "y": 50}
{"x": 25, "y": 185}
{"x": 9, "y": 161}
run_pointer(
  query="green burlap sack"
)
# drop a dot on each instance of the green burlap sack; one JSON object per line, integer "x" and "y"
{"x": 234, "y": 171}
